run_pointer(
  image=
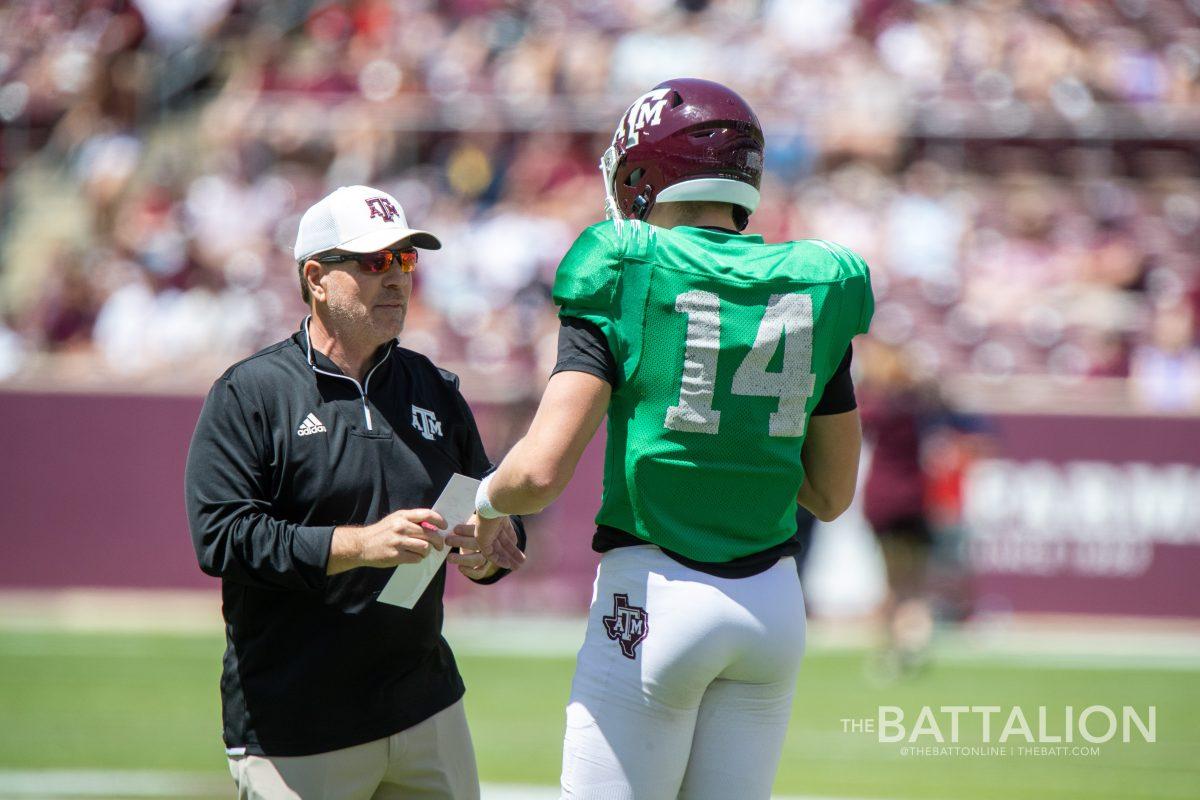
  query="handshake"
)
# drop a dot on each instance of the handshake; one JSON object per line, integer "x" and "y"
{"x": 407, "y": 536}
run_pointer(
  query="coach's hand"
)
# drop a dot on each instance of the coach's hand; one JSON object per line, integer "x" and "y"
{"x": 402, "y": 537}
{"x": 473, "y": 563}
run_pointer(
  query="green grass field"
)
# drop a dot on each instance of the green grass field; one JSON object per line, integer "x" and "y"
{"x": 86, "y": 701}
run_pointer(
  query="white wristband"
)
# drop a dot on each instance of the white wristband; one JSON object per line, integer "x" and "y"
{"x": 483, "y": 504}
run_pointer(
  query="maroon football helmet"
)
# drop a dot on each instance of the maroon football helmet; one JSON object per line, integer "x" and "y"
{"x": 685, "y": 140}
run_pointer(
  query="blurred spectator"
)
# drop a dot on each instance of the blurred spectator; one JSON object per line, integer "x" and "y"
{"x": 12, "y": 351}
{"x": 1166, "y": 370}
{"x": 925, "y": 226}
{"x": 894, "y": 404}
{"x": 69, "y": 304}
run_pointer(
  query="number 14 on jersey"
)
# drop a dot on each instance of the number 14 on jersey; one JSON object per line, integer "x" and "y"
{"x": 788, "y": 317}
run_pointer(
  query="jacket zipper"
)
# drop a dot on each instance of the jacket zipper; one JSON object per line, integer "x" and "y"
{"x": 362, "y": 392}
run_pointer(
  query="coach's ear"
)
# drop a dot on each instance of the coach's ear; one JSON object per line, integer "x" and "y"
{"x": 313, "y": 272}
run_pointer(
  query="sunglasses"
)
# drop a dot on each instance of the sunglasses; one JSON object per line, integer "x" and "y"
{"x": 378, "y": 262}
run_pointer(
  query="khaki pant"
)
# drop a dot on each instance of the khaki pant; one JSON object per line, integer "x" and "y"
{"x": 430, "y": 761}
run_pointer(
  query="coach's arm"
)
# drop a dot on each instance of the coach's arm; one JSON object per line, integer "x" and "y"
{"x": 227, "y": 491}
{"x": 831, "y": 454}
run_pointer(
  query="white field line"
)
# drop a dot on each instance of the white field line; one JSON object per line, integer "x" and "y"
{"x": 535, "y": 639}
{"x": 110, "y": 783}
{"x": 1045, "y": 642}
{"x": 47, "y": 784}
{"x": 499, "y": 791}
{"x": 1054, "y": 649}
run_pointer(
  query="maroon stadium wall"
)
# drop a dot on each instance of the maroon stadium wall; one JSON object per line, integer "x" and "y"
{"x": 1070, "y": 514}
{"x": 91, "y": 494}
{"x": 1088, "y": 514}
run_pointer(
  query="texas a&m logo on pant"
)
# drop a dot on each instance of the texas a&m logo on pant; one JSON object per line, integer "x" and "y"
{"x": 628, "y": 625}
{"x": 382, "y": 207}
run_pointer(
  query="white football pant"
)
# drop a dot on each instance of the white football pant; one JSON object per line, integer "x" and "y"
{"x": 683, "y": 686}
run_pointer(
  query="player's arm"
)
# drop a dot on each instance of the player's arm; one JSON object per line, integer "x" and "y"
{"x": 540, "y": 465}
{"x": 471, "y": 562}
{"x": 832, "y": 445}
{"x": 831, "y": 454}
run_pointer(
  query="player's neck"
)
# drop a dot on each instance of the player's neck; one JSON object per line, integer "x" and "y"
{"x": 694, "y": 215}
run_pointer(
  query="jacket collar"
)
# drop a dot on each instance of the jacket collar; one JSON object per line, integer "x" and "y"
{"x": 322, "y": 364}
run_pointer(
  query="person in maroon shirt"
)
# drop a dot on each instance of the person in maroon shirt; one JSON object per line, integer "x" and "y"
{"x": 895, "y": 407}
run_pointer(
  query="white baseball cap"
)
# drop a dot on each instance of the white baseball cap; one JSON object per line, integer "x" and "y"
{"x": 357, "y": 219}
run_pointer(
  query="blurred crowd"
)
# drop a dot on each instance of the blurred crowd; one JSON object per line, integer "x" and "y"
{"x": 1023, "y": 177}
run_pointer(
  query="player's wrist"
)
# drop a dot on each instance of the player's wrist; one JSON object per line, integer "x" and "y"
{"x": 483, "y": 502}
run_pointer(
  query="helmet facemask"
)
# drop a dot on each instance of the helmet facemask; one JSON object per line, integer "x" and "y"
{"x": 608, "y": 168}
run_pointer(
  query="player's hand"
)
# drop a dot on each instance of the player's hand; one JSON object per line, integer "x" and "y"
{"x": 474, "y": 561}
{"x": 469, "y": 560}
{"x": 402, "y": 537}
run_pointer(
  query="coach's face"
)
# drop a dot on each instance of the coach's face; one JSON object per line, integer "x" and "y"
{"x": 364, "y": 304}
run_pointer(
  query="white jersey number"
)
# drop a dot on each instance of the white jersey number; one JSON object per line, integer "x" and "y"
{"x": 788, "y": 317}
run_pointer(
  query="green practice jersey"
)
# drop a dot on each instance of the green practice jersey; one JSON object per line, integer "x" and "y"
{"x": 723, "y": 346}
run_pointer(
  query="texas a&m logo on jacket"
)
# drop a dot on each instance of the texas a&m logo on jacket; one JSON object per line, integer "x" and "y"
{"x": 628, "y": 625}
{"x": 426, "y": 423}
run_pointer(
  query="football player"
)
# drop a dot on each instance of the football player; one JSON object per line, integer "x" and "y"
{"x": 722, "y": 363}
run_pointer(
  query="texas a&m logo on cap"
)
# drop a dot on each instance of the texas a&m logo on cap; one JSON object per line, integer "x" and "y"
{"x": 628, "y": 625}
{"x": 382, "y": 207}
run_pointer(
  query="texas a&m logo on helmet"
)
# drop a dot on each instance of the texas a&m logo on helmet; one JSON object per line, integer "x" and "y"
{"x": 382, "y": 207}
{"x": 628, "y": 625}
{"x": 646, "y": 110}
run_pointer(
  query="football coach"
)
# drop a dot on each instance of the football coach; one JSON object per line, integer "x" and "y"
{"x": 310, "y": 473}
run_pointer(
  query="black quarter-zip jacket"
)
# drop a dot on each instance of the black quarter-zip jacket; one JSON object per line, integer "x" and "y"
{"x": 288, "y": 447}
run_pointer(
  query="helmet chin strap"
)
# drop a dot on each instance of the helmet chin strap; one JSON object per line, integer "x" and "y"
{"x": 641, "y": 204}
{"x": 741, "y": 217}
